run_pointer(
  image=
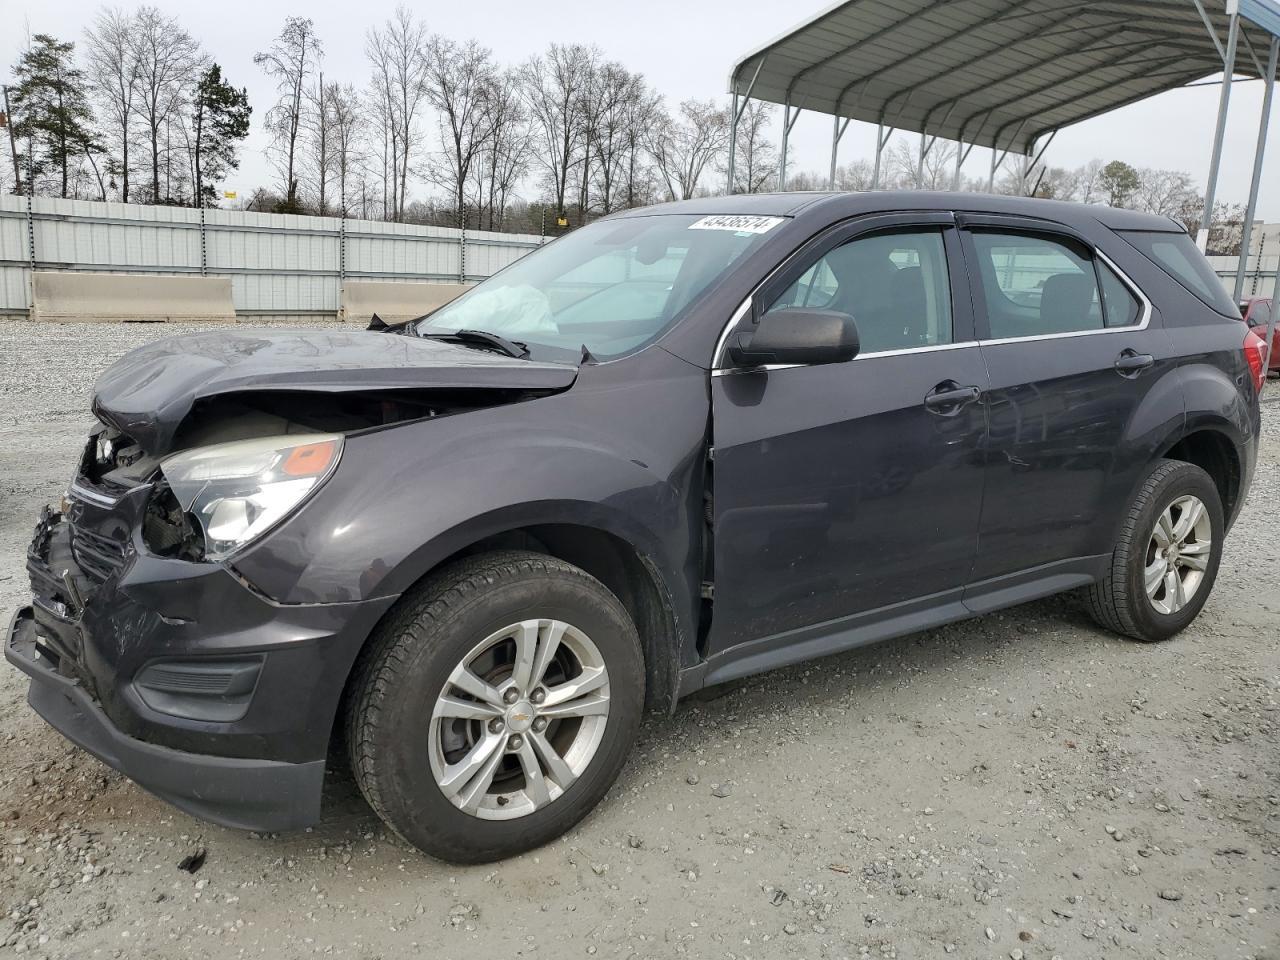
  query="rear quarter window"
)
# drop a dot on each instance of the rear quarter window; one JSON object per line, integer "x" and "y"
{"x": 1178, "y": 256}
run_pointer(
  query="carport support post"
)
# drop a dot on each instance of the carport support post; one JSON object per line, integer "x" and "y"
{"x": 735, "y": 114}
{"x": 837, "y": 132}
{"x": 1252, "y": 207}
{"x": 882, "y": 138}
{"x": 1219, "y": 134}
{"x": 788, "y": 121}
{"x": 786, "y": 131}
{"x": 733, "y": 141}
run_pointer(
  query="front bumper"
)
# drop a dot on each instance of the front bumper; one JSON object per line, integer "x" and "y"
{"x": 107, "y": 614}
{"x": 267, "y": 795}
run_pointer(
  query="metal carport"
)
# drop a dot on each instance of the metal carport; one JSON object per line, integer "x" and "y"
{"x": 1008, "y": 74}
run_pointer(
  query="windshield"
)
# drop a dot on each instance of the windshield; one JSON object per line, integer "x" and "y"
{"x": 612, "y": 287}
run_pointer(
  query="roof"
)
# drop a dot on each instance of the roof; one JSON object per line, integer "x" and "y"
{"x": 999, "y": 73}
{"x": 746, "y": 204}
{"x": 843, "y": 204}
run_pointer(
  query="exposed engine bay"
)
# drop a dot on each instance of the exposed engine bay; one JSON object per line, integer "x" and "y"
{"x": 113, "y": 462}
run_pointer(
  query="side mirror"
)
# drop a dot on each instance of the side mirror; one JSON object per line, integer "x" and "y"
{"x": 796, "y": 335}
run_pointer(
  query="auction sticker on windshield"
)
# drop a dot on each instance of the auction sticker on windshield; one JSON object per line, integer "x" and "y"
{"x": 738, "y": 224}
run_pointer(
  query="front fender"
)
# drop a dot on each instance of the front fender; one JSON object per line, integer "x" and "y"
{"x": 621, "y": 451}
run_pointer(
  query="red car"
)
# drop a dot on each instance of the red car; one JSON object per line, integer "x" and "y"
{"x": 1258, "y": 313}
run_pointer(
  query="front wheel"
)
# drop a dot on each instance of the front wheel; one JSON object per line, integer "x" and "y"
{"x": 1166, "y": 560}
{"x": 496, "y": 708}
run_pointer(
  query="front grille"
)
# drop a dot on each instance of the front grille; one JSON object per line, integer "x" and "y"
{"x": 97, "y": 556}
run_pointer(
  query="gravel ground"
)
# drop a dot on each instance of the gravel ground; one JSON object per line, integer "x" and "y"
{"x": 1021, "y": 785}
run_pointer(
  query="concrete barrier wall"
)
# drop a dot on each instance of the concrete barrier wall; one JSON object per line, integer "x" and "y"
{"x": 392, "y": 301}
{"x": 122, "y": 296}
{"x": 279, "y": 266}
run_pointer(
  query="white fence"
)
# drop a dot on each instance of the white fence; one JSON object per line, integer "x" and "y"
{"x": 1259, "y": 274}
{"x": 279, "y": 265}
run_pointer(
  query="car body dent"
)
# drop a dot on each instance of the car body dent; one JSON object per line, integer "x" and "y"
{"x": 600, "y": 457}
{"x": 148, "y": 393}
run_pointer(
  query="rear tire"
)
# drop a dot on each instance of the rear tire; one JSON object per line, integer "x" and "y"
{"x": 466, "y": 730}
{"x": 1160, "y": 574}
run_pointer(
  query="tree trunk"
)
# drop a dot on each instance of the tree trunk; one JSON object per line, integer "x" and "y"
{"x": 199, "y": 118}
{"x": 155, "y": 163}
{"x": 124, "y": 162}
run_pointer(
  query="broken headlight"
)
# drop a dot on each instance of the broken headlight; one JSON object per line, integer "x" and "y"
{"x": 237, "y": 491}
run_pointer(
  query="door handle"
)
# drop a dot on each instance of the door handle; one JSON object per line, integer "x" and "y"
{"x": 1130, "y": 363}
{"x": 948, "y": 397}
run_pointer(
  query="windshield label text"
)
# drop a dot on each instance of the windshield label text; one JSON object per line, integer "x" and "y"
{"x": 737, "y": 224}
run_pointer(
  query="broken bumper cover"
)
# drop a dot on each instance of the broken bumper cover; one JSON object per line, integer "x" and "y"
{"x": 180, "y": 675}
{"x": 267, "y": 795}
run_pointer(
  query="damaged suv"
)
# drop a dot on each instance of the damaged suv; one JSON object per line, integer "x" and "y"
{"x": 671, "y": 449}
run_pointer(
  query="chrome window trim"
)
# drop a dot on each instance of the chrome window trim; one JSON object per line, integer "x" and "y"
{"x": 1147, "y": 311}
{"x": 718, "y": 369}
{"x": 874, "y": 355}
{"x": 743, "y": 309}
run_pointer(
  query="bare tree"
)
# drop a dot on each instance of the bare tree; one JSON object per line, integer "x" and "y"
{"x": 1163, "y": 192}
{"x": 384, "y": 140}
{"x": 755, "y": 164}
{"x": 398, "y": 53}
{"x": 685, "y": 146}
{"x": 555, "y": 85}
{"x": 317, "y": 135}
{"x": 615, "y": 132}
{"x": 1089, "y": 182}
{"x": 504, "y": 157}
{"x": 462, "y": 84}
{"x": 908, "y": 171}
{"x": 292, "y": 57}
{"x": 642, "y": 112}
{"x": 346, "y": 130}
{"x": 1021, "y": 177}
{"x": 168, "y": 65}
{"x": 853, "y": 177}
{"x": 114, "y": 74}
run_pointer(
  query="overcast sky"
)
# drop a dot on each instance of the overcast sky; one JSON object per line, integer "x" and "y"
{"x": 685, "y": 49}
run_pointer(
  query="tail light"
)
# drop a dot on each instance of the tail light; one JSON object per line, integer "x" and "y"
{"x": 1255, "y": 351}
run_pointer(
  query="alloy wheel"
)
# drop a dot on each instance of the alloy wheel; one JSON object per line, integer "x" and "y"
{"x": 1178, "y": 554}
{"x": 519, "y": 719}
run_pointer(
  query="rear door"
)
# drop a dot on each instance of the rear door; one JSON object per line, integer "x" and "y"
{"x": 852, "y": 487}
{"x": 1072, "y": 350}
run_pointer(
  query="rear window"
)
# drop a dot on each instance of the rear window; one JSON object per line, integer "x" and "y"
{"x": 1177, "y": 255}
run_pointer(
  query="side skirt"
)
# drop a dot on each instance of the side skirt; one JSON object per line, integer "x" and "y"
{"x": 886, "y": 623}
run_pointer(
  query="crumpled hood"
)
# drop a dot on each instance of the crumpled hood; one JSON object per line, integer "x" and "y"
{"x": 149, "y": 392}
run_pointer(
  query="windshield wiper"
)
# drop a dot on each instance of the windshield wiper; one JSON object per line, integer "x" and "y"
{"x": 483, "y": 338}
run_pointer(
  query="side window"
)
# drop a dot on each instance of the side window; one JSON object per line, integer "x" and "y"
{"x": 1120, "y": 306}
{"x": 1034, "y": 286}
{"x": 894, "y": 285}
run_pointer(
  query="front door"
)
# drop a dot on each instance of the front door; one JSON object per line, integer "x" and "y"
{"x": 1072, "y": 348}
{"x": 846, "y": 488}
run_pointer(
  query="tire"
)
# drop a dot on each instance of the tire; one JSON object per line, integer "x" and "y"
{"x": 422, "y": 786}
{"x": 1120, "y": 601}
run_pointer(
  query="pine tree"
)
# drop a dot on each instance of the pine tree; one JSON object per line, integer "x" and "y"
{"x": 219, "y": 121}
{"x": 51, "y": 110}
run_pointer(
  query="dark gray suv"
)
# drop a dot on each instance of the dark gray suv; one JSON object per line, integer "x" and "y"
{"x": 676, "y": 447}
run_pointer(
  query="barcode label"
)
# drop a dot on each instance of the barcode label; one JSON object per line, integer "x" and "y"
{"x": 737, "y": 224}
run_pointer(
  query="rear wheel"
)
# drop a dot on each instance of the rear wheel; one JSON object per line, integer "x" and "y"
{"x": 496, "y": 709}
{"x": 1166, "y": 560}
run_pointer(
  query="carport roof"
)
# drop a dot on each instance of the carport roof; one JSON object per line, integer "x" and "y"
{"x": 998, "y": 73}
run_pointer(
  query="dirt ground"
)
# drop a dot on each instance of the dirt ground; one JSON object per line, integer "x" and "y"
{"x": 1021, "y": 785}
